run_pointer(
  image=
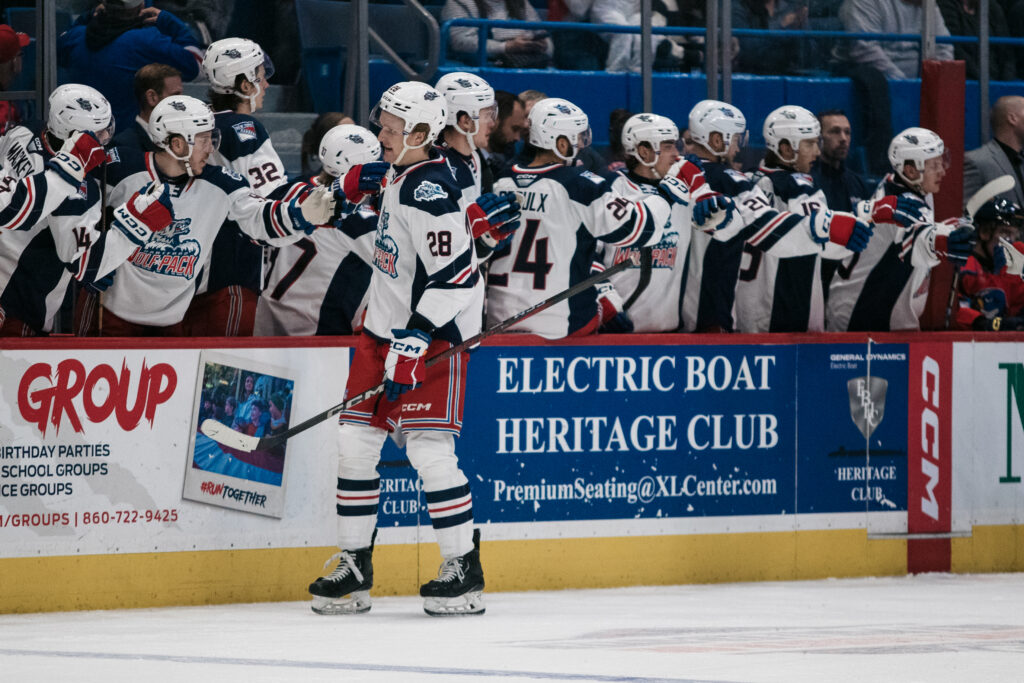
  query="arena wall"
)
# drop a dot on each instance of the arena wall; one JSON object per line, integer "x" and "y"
{"x": 610, "y": 461}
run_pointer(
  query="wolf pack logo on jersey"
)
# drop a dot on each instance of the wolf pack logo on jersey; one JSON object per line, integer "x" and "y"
{"x": 592, "y": 177}
{"x": 867, "y": 402}
{"x": 663, "y": 254}
{"x": 245, "y": 130}
{"x": 385, "y": 255}
{"x": 428, "y": 192}
{"x": 229, "y": 173}
{"x": 168, "y": 252}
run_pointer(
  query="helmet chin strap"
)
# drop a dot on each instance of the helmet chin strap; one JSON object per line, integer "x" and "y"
{"x": 651, "y": 165}
{"x": 185, "y": 159}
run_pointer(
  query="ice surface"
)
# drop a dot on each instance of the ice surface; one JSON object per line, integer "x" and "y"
{"x": 933, "y": 627}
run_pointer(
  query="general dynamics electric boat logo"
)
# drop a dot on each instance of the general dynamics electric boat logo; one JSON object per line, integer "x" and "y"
{"x": 867, "y": 402}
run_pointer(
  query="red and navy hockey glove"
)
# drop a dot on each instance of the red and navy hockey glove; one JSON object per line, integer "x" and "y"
{"x": 147, "y": 211}
{"x": 361, "y": 180}
{"x": 403, "y": 367}
{"x": 846, "y": 231}
{"x": 81, "y": 153}
{"x": 898, "y": 209}
{"x": 614, "y": 319}
{"x": 957, "y": 246}
{"x": 493, "y": 217}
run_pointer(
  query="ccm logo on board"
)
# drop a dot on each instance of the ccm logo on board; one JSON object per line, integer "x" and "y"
{"x": 930, "y": 443}
{"x": 47, "y": 395}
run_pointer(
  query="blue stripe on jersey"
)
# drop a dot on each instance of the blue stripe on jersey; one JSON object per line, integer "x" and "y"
{"x": 778, "y": 232}
{"x": 453, "y": 275}
{"x": 26, "y": 204}
{"x": 38, "y": 272}
{"x": 791, "y": 301}
{"x": 621, "y": 236}
{"x": 718, "y": 284}
{"x": 582, "y": 306}
{"x": 882, "y": 288}
{"x": 341, "y": 300}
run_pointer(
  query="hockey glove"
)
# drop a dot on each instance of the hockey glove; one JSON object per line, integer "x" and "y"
{"x": 311, "y": 209}
{"x": 403, "y": 367}
{"x": 998, "y": 324}
{"x": 361, "y": 180}
{"x": 898, "y": 209}
{"x": 713, "y": 211}
{"x": 956, "y": 246}
{"x": 81, "y": 153}
{"x": 846, "y": 231}
{"x": 614, "y": 319}
{"x": 493, "y": 217}
{"x": 147, "y": 211}
{"x": 1011, "y": 256}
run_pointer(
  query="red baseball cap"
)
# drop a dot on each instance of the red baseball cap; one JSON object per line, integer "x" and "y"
{"x": 11, "y": 43}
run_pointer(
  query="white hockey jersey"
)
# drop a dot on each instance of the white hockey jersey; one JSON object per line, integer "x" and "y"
{"x": 714, "y": 260}
{"x": 785, "y": 294}
{"x": 657, "y": 308}
{"x": 424, "y": 261}
{"x": 566, "y": 211}
{"x": 157, "y": 283}
{"x": 320, "y": 284}
{"x": 885, "y": 287}
{"x": 48, "y": 232}
{"x": 246, "y": 149}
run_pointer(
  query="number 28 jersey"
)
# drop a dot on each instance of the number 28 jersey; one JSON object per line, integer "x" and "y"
{"x": 565, "y": 211}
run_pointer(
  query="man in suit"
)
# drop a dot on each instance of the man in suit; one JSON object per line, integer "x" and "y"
{"x": 1002, "y": 155}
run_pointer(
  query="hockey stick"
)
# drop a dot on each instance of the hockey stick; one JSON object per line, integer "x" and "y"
{"x": 985, "y": 193}
{"x": 223, "y": 434}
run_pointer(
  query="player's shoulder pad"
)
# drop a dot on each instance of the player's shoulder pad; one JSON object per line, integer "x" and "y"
{"x": 726, "y": 180}
{"x": 79, "y": 203}
{"x": 124, "y": 162}
{"x": 224, "y": 178}
{"x": 459, "y": 166}
{"x": 582, "y": 186}
{"x": 432, "y": 188}
{"x": 360, "y": 223}
{"x": 240, "y": 134}
{"x": 790, "y": 185}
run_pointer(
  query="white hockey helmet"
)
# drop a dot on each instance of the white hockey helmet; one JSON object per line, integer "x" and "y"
{"x": 650, "y": 128}
{"x": 227, "y": 59}
{"x": 792, "y": 124}
{"x": 346, "y": 146}
{"x": 75, "y": 108}
{"x": 466, "y": 92}
{"x": 712, "y": 116}
{"x": 414, "y": 103}
{"x": 552, "y": 118}
{"x": 916, "y": 145}
{"x": 185, "y": 116}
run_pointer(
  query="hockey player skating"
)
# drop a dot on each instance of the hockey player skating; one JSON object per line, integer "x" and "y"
{"x": 319, "y": 284}
{"x": 718, "y": 129}
{"x": 152, "y": 290}
{"x": 226, "y": 296}
{"x": 785, "y": 294}
{"x": 421, "y": 302}
{"x": 566, "y": 212}
{"x": 885, "y": 287}
{"x": 50, "y": 207}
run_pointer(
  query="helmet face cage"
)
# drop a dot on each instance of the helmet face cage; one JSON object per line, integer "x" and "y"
{"x": 79, "y": 108}
{"x": 346, "y": 146}
{"x": 792, "y": 124}
{"x": 649, "y": 128}
{"x": 553, "y": 118}
{"x": 712, "y": 116}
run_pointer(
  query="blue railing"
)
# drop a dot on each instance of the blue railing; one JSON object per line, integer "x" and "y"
{"x": 481, "y": 49}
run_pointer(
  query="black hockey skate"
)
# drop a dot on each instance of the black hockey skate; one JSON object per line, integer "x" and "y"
{"x": 458, "y": 588}
{"x": 346, "y": 590}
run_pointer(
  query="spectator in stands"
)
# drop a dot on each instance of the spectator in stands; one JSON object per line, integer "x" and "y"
{"x": 961, "y": 17}
{"x": 617, "y": 160}
{"x": 768, "y": 55}
{"x": 210, "y": 18}
{"x": 1003, "y": 154}
{"x": 576, "y": 50}
{"x": 505, "y": 46}
{"x": 107, "y": 46}
{"x": 312, "y": 138}
{"x": 153, "y": 83}
{"x": 11, "y": 43}
{"x": 842, "y": 187}
{"x": 895, "y": 60}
